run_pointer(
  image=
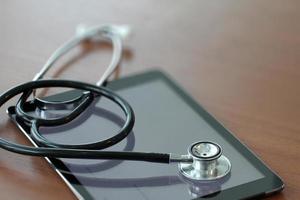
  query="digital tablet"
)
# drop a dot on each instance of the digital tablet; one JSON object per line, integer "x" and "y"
{"x": 167, "y": 120}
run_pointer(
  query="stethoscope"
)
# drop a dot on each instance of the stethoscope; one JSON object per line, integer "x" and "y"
{"x": 203, "y": 162}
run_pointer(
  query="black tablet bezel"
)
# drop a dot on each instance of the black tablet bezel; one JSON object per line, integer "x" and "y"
{"x": 269, "y": 184}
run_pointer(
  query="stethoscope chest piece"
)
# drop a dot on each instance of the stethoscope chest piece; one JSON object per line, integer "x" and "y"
{"x": 208, "y": 162}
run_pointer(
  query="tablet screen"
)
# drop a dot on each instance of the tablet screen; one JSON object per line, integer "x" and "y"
{"x": 165, "y": 123}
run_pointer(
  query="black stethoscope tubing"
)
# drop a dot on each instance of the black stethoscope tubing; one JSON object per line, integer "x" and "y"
{"x": 86, "y": 151}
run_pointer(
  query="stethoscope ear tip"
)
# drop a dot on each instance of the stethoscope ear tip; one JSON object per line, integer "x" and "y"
{"x": 124, "y": 31}
{"x": 81, "y": 29}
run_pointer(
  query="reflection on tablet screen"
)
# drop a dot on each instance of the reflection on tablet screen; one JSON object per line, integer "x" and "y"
{"x": 164, "y": 123}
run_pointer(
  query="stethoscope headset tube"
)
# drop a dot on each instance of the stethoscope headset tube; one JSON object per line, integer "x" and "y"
{"x": 114, "y": 34}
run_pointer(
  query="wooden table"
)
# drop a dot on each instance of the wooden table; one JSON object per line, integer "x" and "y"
{"x": 240, "y": 59}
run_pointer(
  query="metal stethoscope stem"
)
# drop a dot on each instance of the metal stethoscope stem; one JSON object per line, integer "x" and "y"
{"x": 115, "y": 34}
{"x": 110, "y": 32}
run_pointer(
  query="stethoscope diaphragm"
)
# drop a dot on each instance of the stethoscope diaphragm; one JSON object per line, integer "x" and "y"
{"x": 208, "y": 162}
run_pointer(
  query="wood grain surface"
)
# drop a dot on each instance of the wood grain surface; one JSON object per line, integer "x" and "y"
{"x": 239, "y": 59}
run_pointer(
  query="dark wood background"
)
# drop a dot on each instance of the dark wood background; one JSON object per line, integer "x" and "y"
{"x": 240, "y": 59}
